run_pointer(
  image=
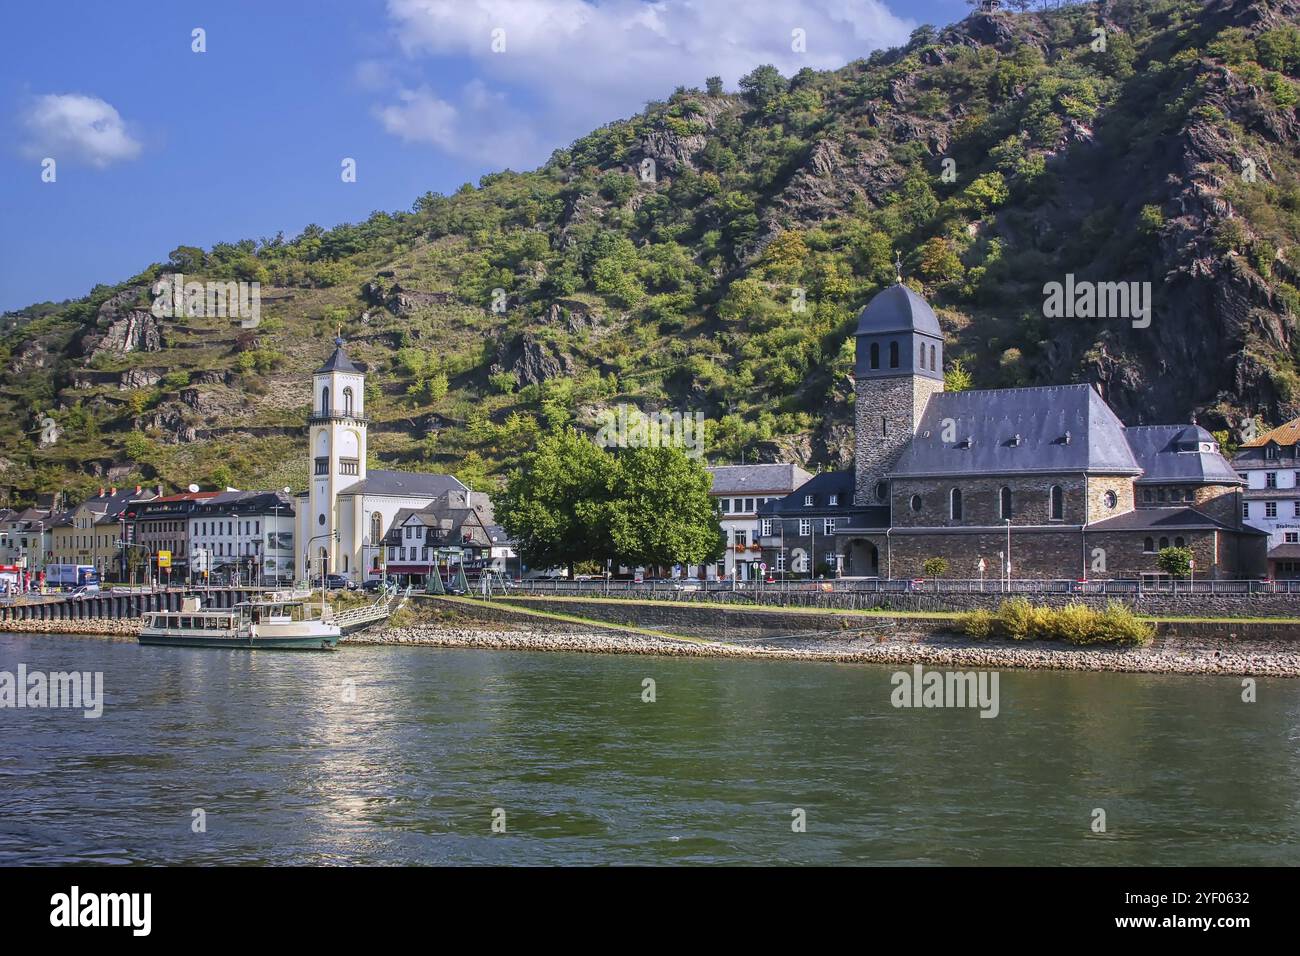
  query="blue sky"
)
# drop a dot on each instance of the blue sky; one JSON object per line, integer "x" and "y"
{"x": 156, "y": 145}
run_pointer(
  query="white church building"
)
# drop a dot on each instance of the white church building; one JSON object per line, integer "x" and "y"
{"x": 348, "y": 511}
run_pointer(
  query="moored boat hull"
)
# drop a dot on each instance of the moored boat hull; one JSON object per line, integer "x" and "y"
{"x": 312, "y": 642}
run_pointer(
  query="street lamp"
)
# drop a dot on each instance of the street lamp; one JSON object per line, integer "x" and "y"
{"x": 1008, "y": 521}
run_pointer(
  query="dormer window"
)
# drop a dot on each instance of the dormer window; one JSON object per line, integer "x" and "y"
{"x": 833, "y": 500}
{"x": 1270, "y": 451}
{"x": 807, "y": 501}
{"x": 893, "y": 354}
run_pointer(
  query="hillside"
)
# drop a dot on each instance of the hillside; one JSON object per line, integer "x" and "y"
{"x": 1169, "y": 157}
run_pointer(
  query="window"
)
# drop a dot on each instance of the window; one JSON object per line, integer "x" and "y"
{"x": 376, "y": 528}
{"x": 322, "y": 466}
{"x": 833, "y": 500}
{"x": 1149, "y": 545}
{"x": 920, "y": 356}
{"x": 1270, "y": 479}
{"x": 749, "y": 504}
{"x": 932, "y": 368}
{"x": 1004, "y": 503}
{"x": 1270, "y": 509}
{"x": 349, "y": 466}
{"x": 1160, "y": 494}
{"x": 954, "y": 504}
{"x": 915, "y": 503}
{"x": 882, "y": 490}
{"x": 726, "y": 506}
{"x": 875, "y": 355}
{"x": 1245, "y": 509}
{"x": 742, "y": 539}
{"x": 406, "y": 532}
{"x": 1179, "y": 542}
{"x": 324, "y": 400}
{"x": 1111, "y": 499}
{"x": 766, "y": 527}
{"x": 1291, "y": 537}
{"x": 1295, "y": 505}
{"x": 807, "y": 501}
{"x": 780, "y": 560}
{"x": 828, "y": 526}
{"x": 347, "y": 402}
{"x": 1164, "y": 543}
{"x": 1270, "y": 451}
{"x": 805, "y": 527}
{"x": 1056, "y": 503}
{"x": 893, "y": 355}
{"x": 884, "y": 426}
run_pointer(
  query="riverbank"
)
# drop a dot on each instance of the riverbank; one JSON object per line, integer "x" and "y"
{"x": 1167, "y": 655}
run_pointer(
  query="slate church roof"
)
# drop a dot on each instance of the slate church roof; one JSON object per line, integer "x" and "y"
{"x": 1168, "y": 453}
{"x": 402, "y": 484}
{"x": 1055, "y": 428}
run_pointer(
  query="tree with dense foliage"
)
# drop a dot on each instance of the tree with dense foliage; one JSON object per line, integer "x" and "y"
{"x": 571, "y": 501}
{"x": 1175, "y": 562}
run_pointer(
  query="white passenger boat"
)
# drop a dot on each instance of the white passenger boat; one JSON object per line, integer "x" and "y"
{"x": 285, "y": 624}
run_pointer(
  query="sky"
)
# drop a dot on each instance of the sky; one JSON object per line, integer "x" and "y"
{"x": 119, "y": 141}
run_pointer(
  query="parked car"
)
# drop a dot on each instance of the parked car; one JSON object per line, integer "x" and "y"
{"x": 337, "y": 582}
{"x": 86, "y": 590}
{"x": 373, "y": 585}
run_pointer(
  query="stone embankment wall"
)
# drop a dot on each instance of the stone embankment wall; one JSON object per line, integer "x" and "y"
{"x": 1157, "y": 604}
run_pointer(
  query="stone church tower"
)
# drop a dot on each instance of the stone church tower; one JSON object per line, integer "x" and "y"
{"x": 338, "y": 452}
{"x": 899, "y": 366}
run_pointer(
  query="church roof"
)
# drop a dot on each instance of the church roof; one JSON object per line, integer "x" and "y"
{"x": 733, "y": 479}
{"x": 1055, "y": 428}
{"x": 339, "y": 361}
{"x": 898, "y": 309}
{"x": 1156, "y": 448}
{"x": 403, "y": 484}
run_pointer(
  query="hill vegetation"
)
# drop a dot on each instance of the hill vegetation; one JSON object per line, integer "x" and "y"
{"x": 711, "y": 253}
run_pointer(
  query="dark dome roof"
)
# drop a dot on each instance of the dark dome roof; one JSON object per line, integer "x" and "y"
{"x": 898, "y": 309}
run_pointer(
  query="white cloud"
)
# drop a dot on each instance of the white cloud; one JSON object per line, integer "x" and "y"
{"x": 70, "y": 126}
{"x": 572, "y": 65}
{"x": 479, "y": 125}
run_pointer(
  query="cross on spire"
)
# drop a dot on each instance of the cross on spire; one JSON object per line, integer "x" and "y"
{"x": 898, "y": 267}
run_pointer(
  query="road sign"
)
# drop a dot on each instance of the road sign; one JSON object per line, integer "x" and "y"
{"x": 164, "y": 559}
{"x": 762, "y": 566}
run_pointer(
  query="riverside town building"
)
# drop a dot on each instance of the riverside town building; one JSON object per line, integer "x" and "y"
{"x": 1028, "y": 482}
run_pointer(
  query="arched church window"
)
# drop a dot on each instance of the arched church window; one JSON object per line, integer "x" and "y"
{"x": 893, "y": 355}
{"x": 347, "y": 402}
{"x": 325, "y": 400}
{"x": 875, "y": 355}
{"x": 1056, "y": 503}
{"x": 1148, "y": 545}
{"x": 920, "y": 355}
{"x": 1164, "y": 543}
{"x": 932, "y": 358}
{"x": 376, "y": 528}
{"x": 954, "y": 504}
{"x": 1004, "y": 502}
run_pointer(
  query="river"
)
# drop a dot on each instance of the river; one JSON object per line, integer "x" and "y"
{"x": 395, "y": 755}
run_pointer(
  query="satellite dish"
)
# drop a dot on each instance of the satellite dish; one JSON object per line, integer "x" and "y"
{"x": 194, "y": 488}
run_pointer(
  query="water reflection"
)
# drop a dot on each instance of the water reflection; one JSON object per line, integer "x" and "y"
{"x": 291, "y": 766}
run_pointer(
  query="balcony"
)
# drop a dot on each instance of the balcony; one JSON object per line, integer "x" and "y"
{"x": 336, "y": 415}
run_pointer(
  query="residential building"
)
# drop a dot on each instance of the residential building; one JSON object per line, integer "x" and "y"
{"x": 452, "y": 531}
{"x": 1271, "y": 502}
{"x": 740, "y": 490}
{"x": 246, "y": 535}
{"x": 93, "y": 532}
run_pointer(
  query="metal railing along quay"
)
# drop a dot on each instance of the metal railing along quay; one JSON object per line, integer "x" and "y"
{"x": 1028, "y": 587}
